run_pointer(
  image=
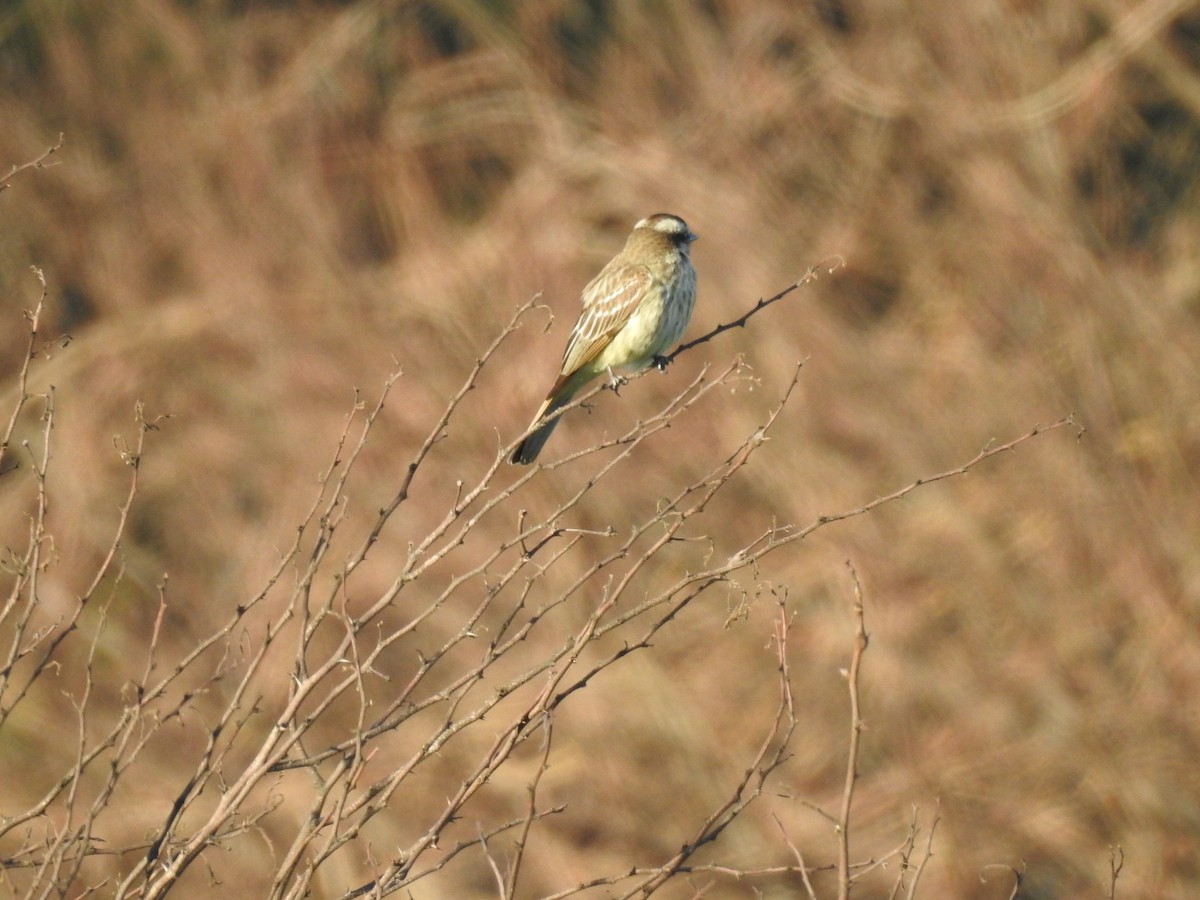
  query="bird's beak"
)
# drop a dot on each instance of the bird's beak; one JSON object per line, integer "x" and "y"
{"x": 692, "y": 236}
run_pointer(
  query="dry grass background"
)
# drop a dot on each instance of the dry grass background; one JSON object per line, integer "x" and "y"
{"x": 259, "y": 206}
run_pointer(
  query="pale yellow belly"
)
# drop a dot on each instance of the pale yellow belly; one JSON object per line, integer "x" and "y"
{"x": 651, "y": 332}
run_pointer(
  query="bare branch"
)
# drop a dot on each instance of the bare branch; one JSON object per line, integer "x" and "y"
{"x": 926, "y": 856}
{"x": 36, "y": 163}
{"x": 510, "y": 883}
{"x": 843, "y": 830}
{"x": 828, "y": 266}
{"x": 1116, "y": 862}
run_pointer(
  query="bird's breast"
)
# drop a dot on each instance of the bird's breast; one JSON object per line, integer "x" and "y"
{"x": 657, "y": 324}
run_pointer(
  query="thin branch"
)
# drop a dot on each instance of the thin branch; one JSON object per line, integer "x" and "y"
{"x": 34, "y": 317}
{"x": 510, "y": 884}
{"x": 38, "y": 163}
{"x": 804, "y": 877}
{"x": 828, "y": 265}
{"x": 928, "y": 855}
{"x": 1017, "y": 874}
{"x": 843, "y": 830}
{"x": 1116, "y": 862}
{"x": 750, "y": 787}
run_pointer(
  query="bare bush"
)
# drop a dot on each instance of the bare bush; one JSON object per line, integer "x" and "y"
{"x": 323, "y": 711}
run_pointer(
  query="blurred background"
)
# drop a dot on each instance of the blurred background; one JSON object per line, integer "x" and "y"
{"x": 262, "y": 206}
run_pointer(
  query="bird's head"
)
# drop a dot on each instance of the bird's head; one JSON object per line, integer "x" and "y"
{"x": 671, "y": 227}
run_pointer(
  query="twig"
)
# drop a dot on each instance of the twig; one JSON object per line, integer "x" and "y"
{"x": 501, "y": 884}
{"x": 38, "y": 163}
{"x": 843, "y": 830}
{"x": 753, "y": 780}
{"x": 912, "y": 888}
{"x": 34, "y": 316}
{"x": 808, "y": 885}
{"x": 780, "y": 536}
{"x": 1017, "y": 874}
{"x": 1116, "y": 862}
{"x": 828, "y": 265}
{"x": 509, "y": 885}
{"x": 906, "y": 853}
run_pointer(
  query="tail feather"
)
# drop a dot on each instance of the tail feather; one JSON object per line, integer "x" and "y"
{"x": 527, "y": 451}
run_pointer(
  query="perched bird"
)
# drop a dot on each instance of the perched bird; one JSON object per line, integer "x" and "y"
{"x": 633, "y": 311}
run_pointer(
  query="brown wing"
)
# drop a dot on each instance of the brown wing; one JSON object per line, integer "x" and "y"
{"x": 609, "y": 301}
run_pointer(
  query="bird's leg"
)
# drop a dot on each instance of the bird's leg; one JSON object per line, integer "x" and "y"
{"x": 661, "y": 363}
{"x": 616, "y": 382}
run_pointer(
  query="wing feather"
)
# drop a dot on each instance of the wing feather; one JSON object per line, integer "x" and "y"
{"x": 609, "y": 302}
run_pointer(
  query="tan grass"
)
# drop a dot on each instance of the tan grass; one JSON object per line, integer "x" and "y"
{"x": 258, "y": 209}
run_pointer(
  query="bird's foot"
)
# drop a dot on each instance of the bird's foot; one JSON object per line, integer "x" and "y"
{"x": 661, "y": 363}
{"x": 616, "y": 382}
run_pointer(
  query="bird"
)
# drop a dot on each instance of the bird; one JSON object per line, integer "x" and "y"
{"x": 633, "y": 311}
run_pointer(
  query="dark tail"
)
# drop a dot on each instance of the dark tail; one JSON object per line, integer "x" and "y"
{"x": 527, "y": 451}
